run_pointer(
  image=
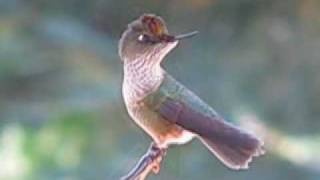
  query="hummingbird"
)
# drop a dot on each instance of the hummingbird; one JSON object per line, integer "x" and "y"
{"x": 165, "y": 109}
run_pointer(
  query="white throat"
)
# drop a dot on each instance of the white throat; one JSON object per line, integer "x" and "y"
{"x": 141, "y": 77}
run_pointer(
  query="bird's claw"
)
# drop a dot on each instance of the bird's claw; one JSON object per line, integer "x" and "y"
{"x": 157, "y": 164}
{"x": 156, "y": 168}
{"x": 157, "y": 155}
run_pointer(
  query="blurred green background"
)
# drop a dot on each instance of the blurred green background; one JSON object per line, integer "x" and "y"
{"x": 61, "y": 112}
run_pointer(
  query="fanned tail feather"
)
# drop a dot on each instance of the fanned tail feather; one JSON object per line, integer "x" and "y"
{"x": 233, "y": 146}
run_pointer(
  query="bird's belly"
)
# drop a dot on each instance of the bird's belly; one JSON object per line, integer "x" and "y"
{"x": 162, "y": 131}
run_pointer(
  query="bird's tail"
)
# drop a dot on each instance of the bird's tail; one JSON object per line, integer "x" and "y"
{"x": 233, "y": 146}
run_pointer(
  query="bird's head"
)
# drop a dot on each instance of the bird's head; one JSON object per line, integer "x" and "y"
{"x": 147, "y": 38}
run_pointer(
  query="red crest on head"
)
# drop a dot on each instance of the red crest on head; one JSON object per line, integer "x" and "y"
{"x": 154, "y": 24}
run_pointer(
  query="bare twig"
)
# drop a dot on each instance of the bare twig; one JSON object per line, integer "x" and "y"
{"x": 148, "y": 162}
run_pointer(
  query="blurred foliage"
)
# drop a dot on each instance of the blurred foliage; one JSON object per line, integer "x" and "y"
{"x": 61, "y": 111}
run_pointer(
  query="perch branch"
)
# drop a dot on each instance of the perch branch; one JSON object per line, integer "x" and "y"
{"x": 150, "y": 161}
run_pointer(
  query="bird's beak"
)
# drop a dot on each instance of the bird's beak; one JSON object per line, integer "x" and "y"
{"x": 186, "y": 35}
{"x": 171, "y": 38}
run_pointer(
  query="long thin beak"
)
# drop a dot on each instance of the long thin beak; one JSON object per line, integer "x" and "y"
{"x": 170, "y": 38}
{"x": 186, "y": 35}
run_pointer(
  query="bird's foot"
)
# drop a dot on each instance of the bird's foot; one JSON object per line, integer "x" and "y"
{"x": 151, "y": 161}
{"x": 156, "y": 155}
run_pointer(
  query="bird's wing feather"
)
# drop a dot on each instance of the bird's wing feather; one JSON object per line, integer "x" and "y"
{"x": 179, "y": 105}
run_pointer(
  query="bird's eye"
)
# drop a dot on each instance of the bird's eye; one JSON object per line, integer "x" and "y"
{"x": 143, "y": 38}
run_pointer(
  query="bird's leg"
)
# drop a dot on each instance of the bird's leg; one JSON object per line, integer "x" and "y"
{"x": 149, "y": 162}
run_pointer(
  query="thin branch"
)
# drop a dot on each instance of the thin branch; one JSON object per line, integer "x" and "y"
{"x": 150, "y": 161}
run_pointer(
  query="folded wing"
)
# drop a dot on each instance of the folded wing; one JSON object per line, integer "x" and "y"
{"x": 233, "y": 146}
